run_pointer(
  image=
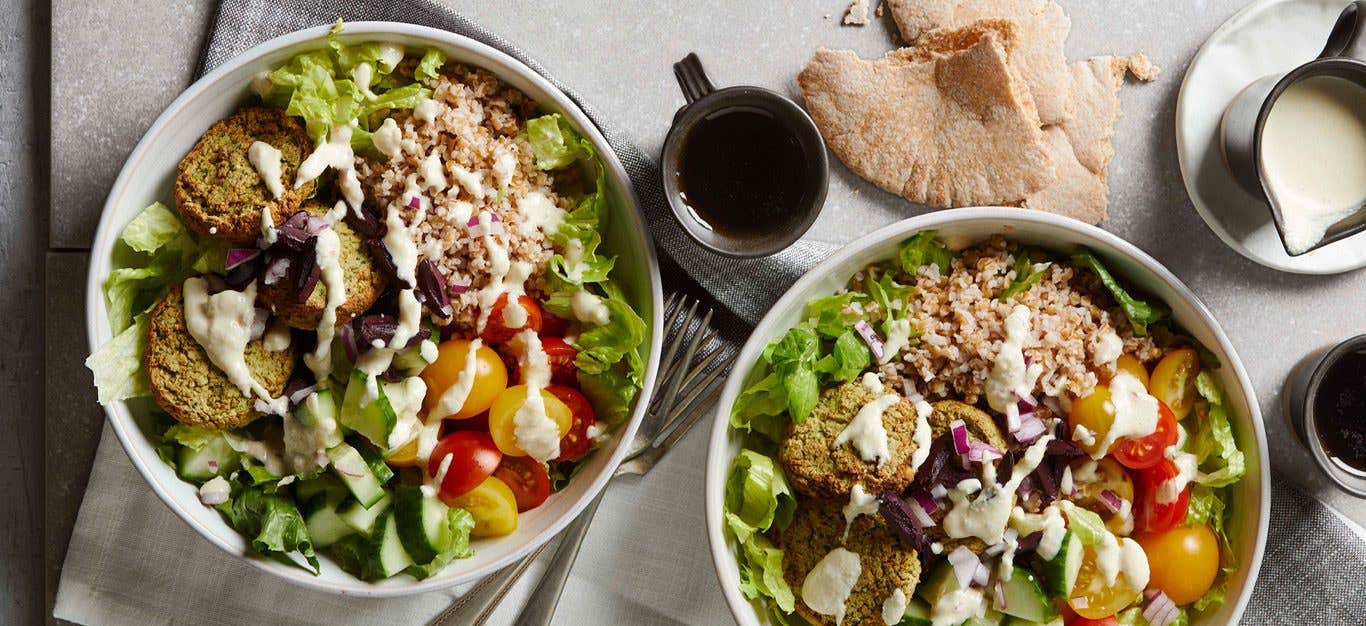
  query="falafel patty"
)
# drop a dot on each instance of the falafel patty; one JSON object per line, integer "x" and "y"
{"x": 189, "y": 386}
{"x": 887, "y": 562}
{"x": 364, "y": 283}
{"x": 817, "y": 468}
{"x": 218, "y": 192}
{"x": 982, "y": 427}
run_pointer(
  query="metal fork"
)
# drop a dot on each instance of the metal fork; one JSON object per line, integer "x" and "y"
{"x": 688, "y": 386}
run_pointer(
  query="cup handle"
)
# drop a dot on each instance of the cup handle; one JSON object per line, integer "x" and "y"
{"x": 1348, "y": 37}
{"x": 692, "y": 79}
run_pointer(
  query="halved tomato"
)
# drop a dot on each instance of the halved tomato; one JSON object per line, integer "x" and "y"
{"x": 473, "y": 458}
{"x": 1145, "y": 452}
{"x": 503, "y": 324}
{"x": 1150, "y": 515}
{"x": 576, "y": 442}
{"x": 553, "y": 325}
{"x": 1173, "y": 380}
{"x": 561, "y": 356}
{"x": 528, "y": 479}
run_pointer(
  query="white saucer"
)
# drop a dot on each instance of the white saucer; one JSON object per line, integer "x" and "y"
{"x": 1268, "y": 37}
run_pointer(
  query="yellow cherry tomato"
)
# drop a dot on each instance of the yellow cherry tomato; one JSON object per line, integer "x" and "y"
{"x": 1095, "y": 413}
{"x": 490, "y": 377}
{"x": 1093, "y": 597}
{"x": 404, "y": 455}
{"x": 493, "y": 506}
{"x": 502, "y": 426}
{"x": 1106, "y": 475}
{"x": 1173, "y": 381}
{"x": 1130, "y": 363}
{"x": 1182, "y": 561}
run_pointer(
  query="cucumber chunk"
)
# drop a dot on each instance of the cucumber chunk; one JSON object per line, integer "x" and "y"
{"x": 351, "y": 468}
{"x": 392, "y": 558}
{"x": 990, "y": 618}
{"x": 917, "y": 614}
{"x": 325, "y": 526}
{"x": 328, "y": 485}
{"x": 374, "y": 419}
{"x": 940, "y": 581}
{"x": 1025, "y": 597}
{"x": 1015, "y": 621}
{"x": 422, "y": 523}
{"x": 363, "y": 519}
{"x": 215, "y": 458}
{"x": 1060, "y": 572}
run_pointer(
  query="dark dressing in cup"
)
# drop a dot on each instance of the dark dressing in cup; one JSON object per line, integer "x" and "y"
{"x": 1340, "y": 412}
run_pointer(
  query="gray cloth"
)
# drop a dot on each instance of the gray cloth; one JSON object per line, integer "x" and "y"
{"x": 1315, "y": 566}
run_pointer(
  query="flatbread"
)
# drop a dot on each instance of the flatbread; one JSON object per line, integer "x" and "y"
{"x": 945, "y": 123}
{"x": 1081, "y": 147}
{"x": 1042, "y": 29}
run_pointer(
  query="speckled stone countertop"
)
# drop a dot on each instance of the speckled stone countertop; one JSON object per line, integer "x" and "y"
{"x": 117, "y": 63}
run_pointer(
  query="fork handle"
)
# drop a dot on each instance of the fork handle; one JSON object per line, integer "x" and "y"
{"x": 540, "y": 608}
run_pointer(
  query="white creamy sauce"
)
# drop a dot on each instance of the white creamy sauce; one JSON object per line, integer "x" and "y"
{"x": 1083, "y": 435}
{"x": 1135, "y": 412}
{"x": 898, "y": 337}
{"x": 335, "y": 153}
{"x": 221, "y": 324}
{"x": 304, "y": 441}
{"x": 573, "y": 260}
{"x": 364, "y": 74}
{"x": 426, "y": 110}
{"x": 261, "y": 84}
{"x": 430, "y": 172}
{"x": 388, "y": 138}
{"x": 923, "y": 435}
{"x": 499, "y": 264}
{"x": 428, "y": 351}
{"x": 432, "y": 487}
{"x": 1011, "y": 542}
{"x": 894, "y": 607}
{"x": 277, "y": 337}
{"x": 1065, "y": 484}
{"x": 860, "y": 503}
{"x": 215, "y": 491}
{"x": 1049, "y": 522}
{"x": 504, "y": 165}
{"x": 408, "y": 405}
{"x": 1010, "y": 379}
{"x": 872, "y": 382}
{"x": 268, "y": 456}
{"x": 266, "y": 159}
{"x": 329, "y": 262}
{"x": 986, "y": 516}
{"x": 537, "y": 434}
{"x": 454, "y": 396}
{"x": 828, "y": 584}
{"x": 1314, "y": 156}
{"x": 1186, "y": 467}
{"x": 399, "y": 242}
{"x": 937, "y": 548}
{"x": 867, "y": 433}
{"x": 471, "y": 182}
{"x": 589, "y": 308}
{"x": 538, "y": 213}
{"x": 955, "y": 607}
{"x": 1109, "y": 347}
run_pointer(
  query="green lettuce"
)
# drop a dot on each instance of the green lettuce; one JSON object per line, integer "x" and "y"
{"x": 431, "y": 63}
{"x": 460, "y": 523}
{"x": 1212, "y": 443}
{"x": 1207, "y": 506}
{"x": 793, "y": 358}
{"x": 1141, "y": 314}
{"x": 1086, "y": 524}
{"x": 555, "y": 143}
{"x": 847, "y": 358}
{"x": 272, "y": 522}
{"x": 832, "y": 316}
{"x": 758, "y": 498}
{"x": 117, "y": 365}
{"x": 922, "y": 249}
{"x": 761, "y": 408}
{"x": 1025, "y": 275}
{"x": 611, "y": 392}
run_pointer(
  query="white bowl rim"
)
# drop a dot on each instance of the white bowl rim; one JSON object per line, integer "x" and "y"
{"x": 97, "y": 328}
{"x": 718, "y": 462}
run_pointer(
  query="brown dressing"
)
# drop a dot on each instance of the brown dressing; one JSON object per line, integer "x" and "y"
{"x": 1340, "y": 412}
{"x": 743, "y": 174}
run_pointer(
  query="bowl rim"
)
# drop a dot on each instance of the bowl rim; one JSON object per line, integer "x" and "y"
{"x": 718, "y": 459}
{"x": 98, "y": 331}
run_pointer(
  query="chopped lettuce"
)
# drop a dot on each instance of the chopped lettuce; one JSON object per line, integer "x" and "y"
{"x": 1141, "y": 314}
{"x": 922, "y": 249}
{"x": 1025, "y": 275}
{"x": 793, "y": 358}
{"x": 1212, "y": 443}
{"x": 1134, "y": 617}
{"x": 832, "y": 316}
{"x": 460, "y": 523}
{"x": 847, "y": 358}
{"x": 760, "y": 408}
{"x": 117, "y": 365}
{"x": 610, "y": 392}
{"x": 272, "y": 522}
{"x": 1207, "y": 506}
{"x": 555, "y": 143}
{"x": 891, "y": 298}
{"x": 758, "y": 498}
{"x": 430, "y": 64}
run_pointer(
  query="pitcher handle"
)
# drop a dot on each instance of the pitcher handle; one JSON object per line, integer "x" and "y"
{"x": 1348, "y": 37}
{"x": 693, "y": 79}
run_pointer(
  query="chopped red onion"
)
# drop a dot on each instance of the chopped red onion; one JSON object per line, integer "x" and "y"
{"x": 870, "y": 337}
{"x": 1026, "y": 402}
{"x": 1001, "y": 596}
{"x": 981, "y": 575}
{"x": 238, "y": 256}
{"x": 262, "y": 406}
{"x": 926, "y": 502}
{"x": 1161, "y": 610}
{"x": 959, "y": 430}
{"x": 315, "y": 225}
{"x": 982, "y": 452}
{"x": 415, "y": 202}
{"x": 302, "y": 394}
{"x": 1112, "y": 501}
{"x": 964, "y": 564}
{"x": 213, "y": 466}
{"x": 275, "y": 270}
{"x": 457, "y": 287}
{"x": 1030, "y": 428}
{"x": 258, "y": 323}
{"x": 994, "y": 550}
{"x": 920, "y": 514}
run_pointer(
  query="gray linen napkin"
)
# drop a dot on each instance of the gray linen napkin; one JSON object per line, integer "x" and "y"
{"x": 1314, "y": 571}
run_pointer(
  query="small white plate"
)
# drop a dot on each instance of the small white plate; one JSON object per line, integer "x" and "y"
{"x": 1268, "y": 37}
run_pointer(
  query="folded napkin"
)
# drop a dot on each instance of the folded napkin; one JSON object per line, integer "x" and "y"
{"x": 131, "y": 561}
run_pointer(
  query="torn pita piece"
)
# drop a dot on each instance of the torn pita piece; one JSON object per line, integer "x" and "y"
{"x": 945, "y": 123}
{"x": 1081, "y": 147}
{"x": 1041, "y": 28}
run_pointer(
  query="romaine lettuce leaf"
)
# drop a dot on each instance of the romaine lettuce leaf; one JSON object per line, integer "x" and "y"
{"x": 847, "y": 358}
{"x": 555, "y": 143}
{"x": 922, "y": 249}
{"x": 1025, "y": 274}
{"x": 460, "y": 523}
{"x": 601, "y": 347}
{"x": 117, "y": 365}
{"x": 833, "y": 316}
{"x": 430, "y": 64}
{"x": 1207, "y": 506}
{"x": 793, "y": 358}
{"x": 1141, "y": 314}
{"x": 1212, "y": 443}
{"x": 272, "y": 522}
{"x": 758, "y": 498}
{"x": 610, "y": 392}
{"x": 760, "y": 408}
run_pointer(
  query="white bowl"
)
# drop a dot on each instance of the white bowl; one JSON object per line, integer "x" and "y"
{"x": 1251, "y": 501}
{"x": 148, "y": 176}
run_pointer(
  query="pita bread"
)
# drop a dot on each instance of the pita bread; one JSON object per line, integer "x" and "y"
{"x": 1042, "y": 29}
{"x": 946, "y": 123}
{"x": 1081, "y": 147}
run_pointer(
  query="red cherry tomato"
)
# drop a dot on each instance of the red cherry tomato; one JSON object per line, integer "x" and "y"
{"x": 553, "y": 325}
{"x": 1082, "y": 621}
{"x": 473, "y": 459}
{"x": 528, "y": 479}
{"x": 478, "y": 423}
{"x": 576, "y": 442}
{"x": 561, "y": 356}
{"x": 1145, "y": 452}
{"x": 1149, "y": 514}
{"x": 497, "y": 330}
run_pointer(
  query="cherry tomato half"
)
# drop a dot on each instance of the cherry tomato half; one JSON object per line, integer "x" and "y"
{"x": 1095, "y": 413}
{"x": 473, "y": 456}
{"x": 575, "y": 443}
{"x": 1084, "y": 621}
{"x": 490, "y": 377}
{"x": 1150, "y": 515}
{"x": 503, "y": 323}
{"x": 493, "y": 507}
{"x": 1145, "y": 452}
{"x": 1130, "y": 363}
{"x": 561, "y": 356}
{"x": 1173, "y": 380}
{"x": 1182, "y": 561}
{"x": 503, "y": 413}
{"x": 528, "y": 479}
{"x": 553, "y": 325}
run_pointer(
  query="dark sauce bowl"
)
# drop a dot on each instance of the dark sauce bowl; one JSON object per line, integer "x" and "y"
{"x": 1311, "y": 395}
{"x": 768, "y": 231}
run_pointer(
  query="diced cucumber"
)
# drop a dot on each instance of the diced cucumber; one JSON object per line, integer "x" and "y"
{"x": 326, "y": 484}
{"x": 374, "y": 459}
{"x": 325, "y": 526}
{"x": 341, "y": 364}
{"x": 392, "y": 558}
{"x": 917, "y": 614}
{"x": 351, "y": 468}
{"x": 363, "y": 518}
{"x": 1015, "y": 621}
{"x": 1024, "y": 597}
{"x": 374, "y": 419}
{"x": 215, "y": 458}
{"x": 410, "y": 361}
{"x": 1060, "y": 572}
{"x": 320, "y": 407}
{"x": 422, "y": 523}
{"x": 989, "y": 618}
{"x": 940, "y": 581}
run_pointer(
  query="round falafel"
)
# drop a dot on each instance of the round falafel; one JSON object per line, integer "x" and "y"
{"x": 818, "y": 469}
{"x": 219, "y": 193}
{"x": 364, "y": 282}
{"x": 186, "y": 384}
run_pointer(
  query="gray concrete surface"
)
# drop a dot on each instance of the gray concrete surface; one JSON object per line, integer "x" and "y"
{"x": 618, "y": 56}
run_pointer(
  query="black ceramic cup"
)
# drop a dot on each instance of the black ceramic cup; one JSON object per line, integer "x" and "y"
{"x": 703, "y": 103}
{"x": 1300, "y": 395}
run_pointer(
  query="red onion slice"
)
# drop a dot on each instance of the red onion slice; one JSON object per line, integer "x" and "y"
{"x": 299, "y": 396}
{"x": 870, "y": 337}
{"x": 1112, "y": 501}
{"x": 1161, "y": 610}
{"x": 964, "y": 564}
{"x": 920, "y": 514}
{"x": 982, "y": 452}
{"x": 1001, "y": 596}
{"x": 1030, "y": 429}
{"x": 415, "y": 202}
{"x": 926, "y": 502}
{"x": 238, "y": 256}
{"x": 959, "y": 430}
{"x": 276, "y": 269}
{"x": 981, "y": 575}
